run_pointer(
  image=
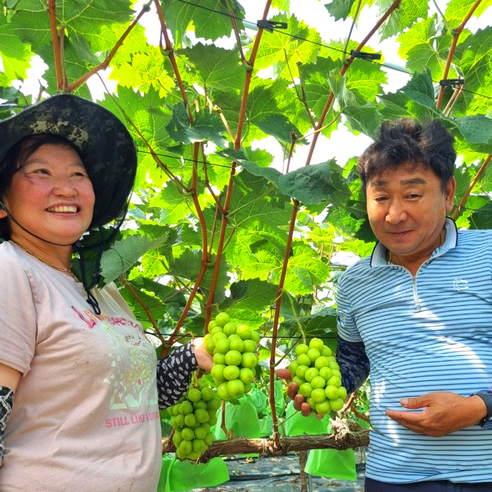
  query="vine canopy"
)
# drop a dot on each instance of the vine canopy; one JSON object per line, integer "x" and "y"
{"x": 215, "y": 223}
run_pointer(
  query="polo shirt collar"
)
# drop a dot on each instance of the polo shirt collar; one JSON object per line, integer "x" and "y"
{"x": 378, "y": 256}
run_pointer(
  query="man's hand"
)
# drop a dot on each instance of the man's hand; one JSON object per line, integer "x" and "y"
{"x": 443, "y": 413}
{"x": 299, "y": 403}
{"x": 203, "y": 358}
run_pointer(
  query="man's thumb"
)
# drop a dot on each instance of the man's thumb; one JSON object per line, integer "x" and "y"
{"x": 411, "y": 403}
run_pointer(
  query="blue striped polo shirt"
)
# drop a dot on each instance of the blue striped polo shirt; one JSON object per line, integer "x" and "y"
{"x": 424, "y": 333}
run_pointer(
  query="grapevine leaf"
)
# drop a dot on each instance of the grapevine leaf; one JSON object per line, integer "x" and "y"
{"x": 476, "y": 129}
{"x": 252, "y": 295}
{"x": 457, "y": 10}
{"x": 310, "y": 185}
{"x": 206, "y": 127}
{"x": 217, "y": 68}
{"x": 364, "y": 118}
{"x": 125, "y": 253}
{"x": 202, "y": 16}
{"x": 188, "y": 267}
{"x": 339, "y": 9}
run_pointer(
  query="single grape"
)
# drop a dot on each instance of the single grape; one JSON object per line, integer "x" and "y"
{"x": 222, "y": 318}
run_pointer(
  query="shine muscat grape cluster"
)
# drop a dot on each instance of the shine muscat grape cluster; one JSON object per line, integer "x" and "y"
{"x": 192, "y": 418}
{"x": 234, "y": 353}
{"x": 318, "y": 376}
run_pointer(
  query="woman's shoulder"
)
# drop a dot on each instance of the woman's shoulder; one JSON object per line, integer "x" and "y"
{"x": 10, "y": 257}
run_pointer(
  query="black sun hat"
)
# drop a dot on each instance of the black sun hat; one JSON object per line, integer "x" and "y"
{"x": 104, "y": 143}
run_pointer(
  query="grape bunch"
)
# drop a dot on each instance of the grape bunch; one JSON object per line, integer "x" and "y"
{"x": 234, "y": 353}
{"x": 192, "y": 418}
{"x": 318, "y": 377}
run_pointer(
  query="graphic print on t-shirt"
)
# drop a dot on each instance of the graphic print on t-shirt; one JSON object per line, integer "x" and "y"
{"x": 132, "y": 360}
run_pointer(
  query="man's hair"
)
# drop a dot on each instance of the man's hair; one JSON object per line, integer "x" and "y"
{"x": 407, "y": 141}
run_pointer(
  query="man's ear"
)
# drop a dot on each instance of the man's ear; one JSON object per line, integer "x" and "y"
{"x": 449, "y": 194}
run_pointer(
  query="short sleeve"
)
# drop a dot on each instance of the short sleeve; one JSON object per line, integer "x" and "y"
{"x": 18, "y": 315}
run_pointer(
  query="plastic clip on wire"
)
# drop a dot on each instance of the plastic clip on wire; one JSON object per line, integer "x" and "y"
{"x": 271, "y": 25}
{"x": 365, "y": 56}
{"x": 451, "y": 82}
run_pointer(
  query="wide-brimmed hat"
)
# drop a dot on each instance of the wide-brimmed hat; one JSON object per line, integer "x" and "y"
{"x": 104, "y": 143}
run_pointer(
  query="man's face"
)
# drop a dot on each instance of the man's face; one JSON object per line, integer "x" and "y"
{"x": 407, "y": 209}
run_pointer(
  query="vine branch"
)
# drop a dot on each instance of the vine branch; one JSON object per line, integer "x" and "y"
{"x": 452, "y": 49}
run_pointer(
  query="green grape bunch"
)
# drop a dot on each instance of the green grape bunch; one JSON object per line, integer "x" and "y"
{"x": 192, "y": 418}
{"x": 318, "y": 377}
{"x": 233, "y": 348}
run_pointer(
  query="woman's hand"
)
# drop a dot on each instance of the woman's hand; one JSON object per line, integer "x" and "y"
{"x": 203, "y": 358}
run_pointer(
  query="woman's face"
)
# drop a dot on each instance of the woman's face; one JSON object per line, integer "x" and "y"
{"x": 51, "y": 196}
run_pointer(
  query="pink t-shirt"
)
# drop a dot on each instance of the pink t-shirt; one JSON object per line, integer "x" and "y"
{"x": 85, "y": 415}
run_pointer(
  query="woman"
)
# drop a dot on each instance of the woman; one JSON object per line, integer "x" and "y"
{"x": 79, "y": 390}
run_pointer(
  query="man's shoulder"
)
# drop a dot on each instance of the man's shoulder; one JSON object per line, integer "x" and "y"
{"x": 360, "y": 267}
{"x": 474, "y": 237}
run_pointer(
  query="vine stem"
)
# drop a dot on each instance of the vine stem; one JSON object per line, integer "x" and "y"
{"x": 172, "y": 58}
{"x": 278, "y": 302}
{"x": 56, "y": 44}
{"x": 205, "y": 255}
{"x": 349, "y": 61}
{"x": 237, "y": 146}
{"x": 133, "y": 292}
{"x": 295, "y": 209}
{"x": 463, "y": 200}
{"x": 103, "y": 65}
{"x": 452, "y": 49}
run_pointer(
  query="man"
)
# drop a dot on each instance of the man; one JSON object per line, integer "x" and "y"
{"x": 418, "y": 313}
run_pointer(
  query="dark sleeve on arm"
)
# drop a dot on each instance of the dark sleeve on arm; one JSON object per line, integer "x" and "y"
{"x": 6, "y": 403}
{"x": 353, "y": 362}
{"x": 174, "y": 375}
{"x": 486, "y": 395}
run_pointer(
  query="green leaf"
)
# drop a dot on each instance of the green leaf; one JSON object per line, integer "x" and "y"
{"x": 217, "y": 68}
{"x": 206, "y": 127}
{"x": 421, "y": 89}
{"x": 202, "y": 16}
{"x": 457, "y": 10}
{"x": 188, "y": 266}
{"x": 482, "y": 218}
{"x": 407, "y": 13}
{"x": 279, "y": 126}
{"x": 125, "y": 253}
{"x": 476, "y": 129}
{"x": 284, "y": 49}
{"x": 339, "y": 9}
{"x": 423, "y": 47}
{"x": 364, "y": 118}
{"x": 251, "y": 295}
{"x": 146, "y": 70}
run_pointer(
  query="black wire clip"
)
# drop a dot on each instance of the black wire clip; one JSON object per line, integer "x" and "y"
{"x": 365, "y": 56}
{"x": 451, "y": 82}
{"x": 271, "y": 25}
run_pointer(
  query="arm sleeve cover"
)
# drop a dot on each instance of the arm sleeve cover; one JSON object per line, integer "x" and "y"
{"x": 6, "y": 403}
{"x": 174, "y": 375}
{"x": 486, "y": 395}
{"x": 353, "y": 362}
